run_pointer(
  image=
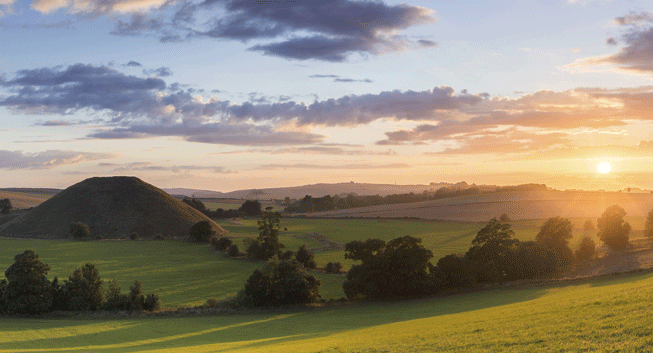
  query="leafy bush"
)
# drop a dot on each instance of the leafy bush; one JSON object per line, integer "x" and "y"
{"x": 286, "y": 255}
{"x": 305, "y": 257}
{"x": 27, "y": 291}
{"x": 396, "y": 269}
{"x": 115, "y": 300}
{"x": 613, "y": 231}
{"x": 133, "y": 236}
{"x": 84, "y": 289}
{"x": 79, "y": 230}
{"x": 454, "y": 271}
{"x": 202, "y": 231}
{"x": 586, "y": 249}
{"x": 283, "y": 283}
{"x": 159, "y": 236}
{"x": 223, "y": 244}
{"x": 233, "y": 251}
{"x": 333, "y": 267}
{"x": 5, "y": 206}
{"x": 152, "y": 302}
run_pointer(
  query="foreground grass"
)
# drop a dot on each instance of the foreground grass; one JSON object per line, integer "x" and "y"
{"x": 181, "y": 273}
{"x": 605, "y": 315}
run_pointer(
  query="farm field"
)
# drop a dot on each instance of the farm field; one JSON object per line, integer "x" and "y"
{"x": 181, "y": 273}
{"x": 609, "y": 314}
{"x": 442, "y": 238}
{"x": 22, "y": 200}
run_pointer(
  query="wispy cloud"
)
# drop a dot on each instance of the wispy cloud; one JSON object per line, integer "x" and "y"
{"x": 324, "y": 166}
{"x": 47, "y": 159}
{"x": 147, "y": 166}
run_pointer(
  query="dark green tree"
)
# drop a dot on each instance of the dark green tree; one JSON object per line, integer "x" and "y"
{"x": 556, "y": 229}
{"x": 85, "y": 288}
{"x": 495, "y": 230}
{"x": 202, "y": 231}
{"x": 251, "y": 208}
{"x": 305, "y": 257}
{"x": 504, "y": 218}
{"x": 79, "y": 230}
{"x": 194, "y": 203}
{"x": 613, "y": 230}
{"x": 648, "y": 227}
{"x": 268, "y": 237}
{"x": 5, "y": 206}
{"x": 28, "y": 291}
{"x": 586, "y": 249}
{"x": 588, "y": 226}
{"x": 114, "y": 298}
{"x": 282, "y": 283}
{"x": 490, "y": 251}
{"x": 455, "y": 271}
{"x": 399, "y": 268}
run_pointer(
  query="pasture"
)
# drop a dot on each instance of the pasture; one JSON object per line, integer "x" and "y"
{"x": 608, "y": 314}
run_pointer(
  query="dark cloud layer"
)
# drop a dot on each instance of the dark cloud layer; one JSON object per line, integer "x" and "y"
{"x": 326, "y": 30}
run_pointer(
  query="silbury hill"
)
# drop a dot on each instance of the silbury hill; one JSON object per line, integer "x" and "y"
{"x": 113, "y": 207}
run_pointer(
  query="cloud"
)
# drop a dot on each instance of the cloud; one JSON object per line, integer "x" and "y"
{"x": 56, "y": 123}
{"x": 322, "y": 149}
{"x": 636, "y": 56}
{"x": 644, "y": 149}
{"x": 147, "y": 166}
{"x": 134, "y": 64}
{"x": 326, "y": 30}
{"x": 344, "y": 166}
{"x": 161, "y": 72}
{"x": 215, "y": 133}
{"x": 47, "y": 159}
{"x": 97, "y": 7}
{"x": 337, "y": 78}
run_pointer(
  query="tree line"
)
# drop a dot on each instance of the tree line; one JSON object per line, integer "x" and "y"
{"x": 27, "y": 291}
{"x": 328, "y": 203}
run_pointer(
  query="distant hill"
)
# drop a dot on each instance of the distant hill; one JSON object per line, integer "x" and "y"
{"x": 319, "y": 190}
{"x": 22, "y": 200}
{"x": 194, "y": 193}
{"x": 516, "y": 204}
{"x": 113, "y": 207}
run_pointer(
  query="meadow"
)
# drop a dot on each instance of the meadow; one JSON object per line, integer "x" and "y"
{"x": 608, "y": 314}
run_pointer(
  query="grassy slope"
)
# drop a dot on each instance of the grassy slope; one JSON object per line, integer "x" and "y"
{"x": 606, "y": 315}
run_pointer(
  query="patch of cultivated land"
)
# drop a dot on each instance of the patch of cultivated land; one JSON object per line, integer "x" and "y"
{"x": 608, "y": 314}
{"x": 23, "y": 200}
{"x": 517, "y": 205}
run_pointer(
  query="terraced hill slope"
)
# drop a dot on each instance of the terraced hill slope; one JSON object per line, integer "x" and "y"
{"x": 113, "y": 207}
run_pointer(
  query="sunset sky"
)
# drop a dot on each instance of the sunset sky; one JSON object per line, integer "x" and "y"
{"x": 238, "y": 94}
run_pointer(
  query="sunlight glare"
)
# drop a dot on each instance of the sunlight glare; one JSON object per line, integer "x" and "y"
{"x": 604, "y": 168}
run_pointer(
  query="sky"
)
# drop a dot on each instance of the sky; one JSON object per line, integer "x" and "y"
{"x": 238, "y": 94}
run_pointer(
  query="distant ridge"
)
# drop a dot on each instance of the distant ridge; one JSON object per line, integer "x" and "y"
{"x": 113, "y": 207}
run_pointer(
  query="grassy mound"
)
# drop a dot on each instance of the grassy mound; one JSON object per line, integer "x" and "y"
{"x": 113, "y": 207}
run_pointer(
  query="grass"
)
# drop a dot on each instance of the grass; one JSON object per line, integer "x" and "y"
{"x": 611, "y": 314}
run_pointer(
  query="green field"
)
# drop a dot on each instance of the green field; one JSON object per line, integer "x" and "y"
{"x": 181, "y": 273}
{"x": 611, "y": 314}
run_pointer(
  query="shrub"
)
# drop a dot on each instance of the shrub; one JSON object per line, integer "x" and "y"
{"x": 305, "y": 257}
{"x": 233, "y": 251}
{"x": 586, "y": 250}
{"x": 115, "y": 300}
{"x": 99, "y": 237}
{"x": 648, "y": 227}
{"x": 333, "y": 267}
{"x": 214, "y": 242}
{"x": 5, "y": 206}
{"x": 454, "y": 271}
{"x": 136, "y": 298}
{"x": 223, "y": 244}
{"x": 202, "y": 231}
{"x": 211, "y": 303}
{"x": 396, "y": 269}
{"x": 286, "y": 255}
{"x": 27, "y": 291}
{"x": 79, "y": 230}
{"x": 159, "y": 236}
{"x": 613, "y": 231}
{"x": 283, "y": 283}
{"x": 152, "y": 302}
{"x": 84, "y": 289}
{"x": 133, "y": 236}
{"x": 251, "y": 208}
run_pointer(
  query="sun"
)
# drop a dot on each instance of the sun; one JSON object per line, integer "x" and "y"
{"x": 604, "y": 168}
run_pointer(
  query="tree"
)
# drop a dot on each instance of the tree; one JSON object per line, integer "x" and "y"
{"x": 268, "y": 238}
{"x": 333, "y": 267}
{"x": 115, "y": 299}
{"x": 305, "y": 257}
{"x": 251, "y": 208}
{"x": 5, "y": 206}
{"x": 79, "y": 230}
{"x": 588, "y": 226}
{"x": 504, "y": 218}
{"x": 613, "y": 230}
{"x": 202, "y": 231}
{"x": 648, "y": 227}
{"x": 84, "y": 288}
{"x": 455, "y": 271}
{"x": 395, "y": 269}
{"x": 282, "y": 283}
{"x": 586, "y": 250}
{"x": 28, "y": 291}
{"x": 194, "y": 203}
{"x": 495, "y": 230}
{"x": 556, "y": 229}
